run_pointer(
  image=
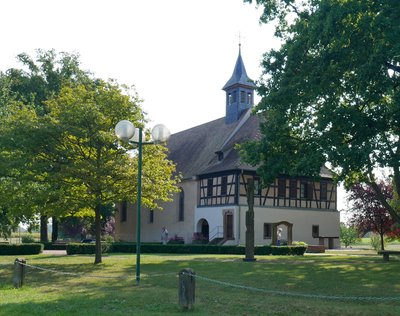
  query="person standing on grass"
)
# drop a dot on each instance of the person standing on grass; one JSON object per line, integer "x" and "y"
{"x": 164, "y": 235}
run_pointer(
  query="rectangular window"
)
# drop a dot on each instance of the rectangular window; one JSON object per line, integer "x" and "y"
{"x": 324, "y": 191}
{"x": 230, "y": 98}
{"x": 248, "y": 98}
{"x": 234, "y": 96}
{"x": 242, "y": 97}
{"x": 303, "y": 189}
{"x": 281, "y": 187}
{"x": 315, "y": 231}
{"x": 267, "y": 230}
{"x": 151, "y": 216}
{"x": 124, "y": 211}
{"x": 181, "y": 214}
{"x": 310, "y": 191}
{"x": 210, "y": 187}
{"x": 224, "y": 185}
{"x": 293, "y": 189}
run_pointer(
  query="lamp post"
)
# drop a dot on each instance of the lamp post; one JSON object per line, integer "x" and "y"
{"x": 127, "y": 132}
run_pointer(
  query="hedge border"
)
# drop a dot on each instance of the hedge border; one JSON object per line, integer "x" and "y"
{"x": 120, "y": 247}
{"x": 21, "y": 249}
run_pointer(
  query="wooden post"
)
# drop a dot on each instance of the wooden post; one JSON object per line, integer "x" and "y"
{"x": 187, "y": 286}
{"x": 19, "y": 272}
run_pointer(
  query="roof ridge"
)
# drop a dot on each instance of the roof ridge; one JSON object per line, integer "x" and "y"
{"x": 243, "y": 120}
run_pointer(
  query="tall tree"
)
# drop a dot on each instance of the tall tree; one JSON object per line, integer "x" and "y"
{"x": 326, "y": 93}
{"x": 368, "y": 213}
{"x": 38, "y": 80}
{"x": 76, "y": 138}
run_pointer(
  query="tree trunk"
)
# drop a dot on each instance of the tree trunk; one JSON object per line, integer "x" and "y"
{"x": 97, "y": 224}
{"x": 54, "y": 232}
{"x": 43, "y": 229}
{"x": 382, "y": 241}
{"x": 250, "y": 222}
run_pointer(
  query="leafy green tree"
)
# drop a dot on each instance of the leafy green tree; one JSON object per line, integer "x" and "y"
{"x": 38, "y": 80}
{"x": 348, "y": 234}
{"x": 326, "y": 93}
{"x": 76, "y": 139}
{"x": 8, "y": 223}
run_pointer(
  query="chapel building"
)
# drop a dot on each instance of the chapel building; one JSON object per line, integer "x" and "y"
{"x": 212, "y": 203}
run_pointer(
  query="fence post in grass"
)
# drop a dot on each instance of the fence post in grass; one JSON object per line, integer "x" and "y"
{"x": 187, "y": 286}
{"x": 19, "y": 272}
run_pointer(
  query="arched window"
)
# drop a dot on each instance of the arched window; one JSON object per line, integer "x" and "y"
{"x": 181, "y": 205}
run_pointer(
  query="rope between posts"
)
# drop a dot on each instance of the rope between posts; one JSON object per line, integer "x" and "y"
{"x": 92, "y": 276}
{"x": 303, "y": 295}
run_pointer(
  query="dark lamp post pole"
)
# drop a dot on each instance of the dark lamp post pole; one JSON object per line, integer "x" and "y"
{"x": 126, "y": 131}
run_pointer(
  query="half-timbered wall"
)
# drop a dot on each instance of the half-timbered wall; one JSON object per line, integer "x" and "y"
{"x": 219, "y": 190}
{"x": 300, "y": 192}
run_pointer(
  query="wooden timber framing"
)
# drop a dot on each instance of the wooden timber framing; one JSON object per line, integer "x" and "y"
{"x": 229, "y": 188}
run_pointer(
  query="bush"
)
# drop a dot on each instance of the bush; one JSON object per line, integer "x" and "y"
{"x": 54, "y": 246}
{"x": 376, "y": 242}
{"x": 87, "y": 248}
{"x": 206, "y": 249}
{"x": 27, "y": 239}
{"x": 299, "y": 243}
{"x": 80, "y": 248}
{"x": 21, "y": 249}
{"x": 348, "y": 235}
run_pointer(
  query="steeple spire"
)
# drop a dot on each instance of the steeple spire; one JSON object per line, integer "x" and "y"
{"x": 239, "y": 91}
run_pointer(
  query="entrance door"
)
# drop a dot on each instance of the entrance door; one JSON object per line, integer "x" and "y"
{"x": 228, "y": 225}
{"x": 205, "y": 229}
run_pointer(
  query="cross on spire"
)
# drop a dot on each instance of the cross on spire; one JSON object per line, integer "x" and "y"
{"x": 240, "y": 41}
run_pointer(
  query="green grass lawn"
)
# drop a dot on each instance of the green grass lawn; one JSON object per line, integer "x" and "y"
{"x": 271, "y": 285}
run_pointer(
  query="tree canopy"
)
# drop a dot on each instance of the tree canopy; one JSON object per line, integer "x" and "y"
{"x": 327, "y": 96}
{"x": 367, "y": 214}
{"x": 66, "y": 149}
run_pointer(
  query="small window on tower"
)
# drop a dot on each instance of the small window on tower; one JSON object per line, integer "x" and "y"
{"x": 242, "y": 97}
{"x": 248, "y": 98}
{"x": 233, "y": 96}
{"x": 230, "y": 98}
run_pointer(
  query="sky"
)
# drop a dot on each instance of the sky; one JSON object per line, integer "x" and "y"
{"x": 177, "y": 53}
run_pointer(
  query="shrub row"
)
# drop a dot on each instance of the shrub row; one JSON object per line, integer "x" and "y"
{"x": 54, "y": 246}
{"x": 78, "y": 248}
{"x": 21, "y": 249}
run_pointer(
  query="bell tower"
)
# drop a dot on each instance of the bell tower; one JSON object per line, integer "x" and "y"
{"x": 239, "y": 92}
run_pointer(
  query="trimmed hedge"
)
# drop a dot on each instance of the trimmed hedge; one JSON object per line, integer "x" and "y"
{"x": 128, "y": 247}
{"x": 21, "y": 249}
{"x": 206, "y": 249}
{"x": 80, "y": 248}
{"x": 54, "y": 246}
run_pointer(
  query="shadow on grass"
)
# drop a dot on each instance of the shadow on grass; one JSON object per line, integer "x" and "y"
{"x": 49, "y": 293}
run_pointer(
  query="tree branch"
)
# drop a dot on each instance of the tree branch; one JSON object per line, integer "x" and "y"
{"x": 393, "y": 67}
{"x": 383, "y": 200}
